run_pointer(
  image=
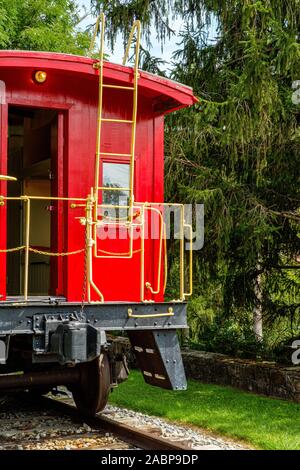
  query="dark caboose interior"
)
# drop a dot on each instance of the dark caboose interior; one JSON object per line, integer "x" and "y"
{"x": 32, "y": 155}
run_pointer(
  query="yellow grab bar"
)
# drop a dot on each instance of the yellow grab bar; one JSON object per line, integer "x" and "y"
{"x": 100, "y": 20}
{"x": 190, "y": 292}
{"x": 136, "y": 27}
{"x": 161, "y": 236}
{"x": 170, "y": 313}
{"x": 7, "y": 178}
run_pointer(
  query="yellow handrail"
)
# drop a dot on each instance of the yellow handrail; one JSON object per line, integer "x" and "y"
{"x": 7, "y": 178}
{"x": 170, "y": 313}
{"x": 100, "y": 20}
{"x": 161, "y": 234}
{"x": 27, "y": 245}
{"x": 135, "y": 28}
{"x": 190, "y": 291}
{"x": 89, "y": 249}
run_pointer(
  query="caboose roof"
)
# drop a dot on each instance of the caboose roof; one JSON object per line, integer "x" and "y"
{"x": 167, "y": 95}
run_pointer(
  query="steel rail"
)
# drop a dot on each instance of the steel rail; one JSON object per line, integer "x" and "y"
{"x": 129, "y": 434}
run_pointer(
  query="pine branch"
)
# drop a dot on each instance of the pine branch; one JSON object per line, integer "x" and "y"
{"x": 287, "y": 215}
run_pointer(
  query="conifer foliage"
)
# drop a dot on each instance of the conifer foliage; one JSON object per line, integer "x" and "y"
{"x": 44, "y": 25}
{"x": 238, "y": 150}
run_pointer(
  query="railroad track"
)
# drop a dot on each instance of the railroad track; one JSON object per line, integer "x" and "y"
{"x": 45, "y": 423}
{"x": 136, "y": 437}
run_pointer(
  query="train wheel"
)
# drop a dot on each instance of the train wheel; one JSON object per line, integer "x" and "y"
{"x": 91, "y": 394}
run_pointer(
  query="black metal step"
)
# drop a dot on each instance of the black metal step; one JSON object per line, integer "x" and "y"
{"x": 159, "y": 358}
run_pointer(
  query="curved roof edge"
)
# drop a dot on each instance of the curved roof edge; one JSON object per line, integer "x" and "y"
{"x": 170, "y": 95}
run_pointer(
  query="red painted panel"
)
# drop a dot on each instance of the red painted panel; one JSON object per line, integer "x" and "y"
{"x": 153, "y": 85}
{"x": 72, "y": 89}
{"x": 3, "y": 171}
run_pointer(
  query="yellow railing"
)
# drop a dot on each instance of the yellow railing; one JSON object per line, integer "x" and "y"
{"x": 156, "y": 208}
{"x": 88, "y": 246}
{"x": 183, "y": 225}
{"x": 26, "y": 246}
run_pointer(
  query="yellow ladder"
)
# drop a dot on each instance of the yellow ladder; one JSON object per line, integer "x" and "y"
{"x": 136, "y": 28}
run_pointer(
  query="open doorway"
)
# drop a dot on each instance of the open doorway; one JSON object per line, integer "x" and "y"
{"x": 32, "y": 158}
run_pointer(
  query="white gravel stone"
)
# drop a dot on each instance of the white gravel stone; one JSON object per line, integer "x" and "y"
{"x": 198, "y": 439}
{"x": 29, "y": 428}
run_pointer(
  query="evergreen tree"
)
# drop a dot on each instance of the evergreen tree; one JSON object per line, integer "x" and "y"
{"x": 45, "y": 25}
{"x": 238, "y": 150}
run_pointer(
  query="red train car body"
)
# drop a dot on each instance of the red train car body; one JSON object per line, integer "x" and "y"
{"x": 60, "y": 125}
{"x": 59, "y": 294}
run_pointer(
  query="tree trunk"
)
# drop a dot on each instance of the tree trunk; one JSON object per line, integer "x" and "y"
{"x": 257, "y": 311}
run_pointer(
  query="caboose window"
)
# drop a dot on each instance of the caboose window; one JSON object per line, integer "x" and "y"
{"x": 116, "y": 176}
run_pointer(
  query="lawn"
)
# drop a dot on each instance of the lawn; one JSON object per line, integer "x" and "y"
{"x": 259, "y": 421}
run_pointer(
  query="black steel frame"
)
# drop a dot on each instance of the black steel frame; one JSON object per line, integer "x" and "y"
{"x": 32, "y": 318}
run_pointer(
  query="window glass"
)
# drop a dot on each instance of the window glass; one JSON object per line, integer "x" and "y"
{"x": 116, "y": 175}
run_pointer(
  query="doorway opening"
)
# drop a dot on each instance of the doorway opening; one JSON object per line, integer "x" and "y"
{"x": 32, "y": 159}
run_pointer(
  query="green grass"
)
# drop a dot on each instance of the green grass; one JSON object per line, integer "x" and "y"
{"x": 261, "y": 422}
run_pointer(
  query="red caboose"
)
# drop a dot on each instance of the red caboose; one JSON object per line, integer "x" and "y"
{"x": 81, "y": 185}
